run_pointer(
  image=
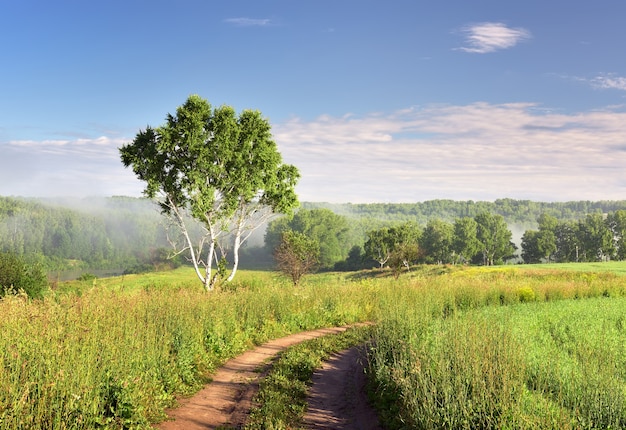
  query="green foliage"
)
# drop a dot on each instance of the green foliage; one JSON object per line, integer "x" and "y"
{"x": 437, "y": 241}
{"x": 526, "y": 294}
{"x": 524, "y": 212}
{"x": 217, "y": 168}
{"x": 396, "y": 246}
{"x": 596, "y": 237}
{"x": 16, "y": 275}
{"x": 465, "y": 244}
{"x": 331, "y": 231}
{"x": 485, "y": 239}
{"x": 87, "y": 277}
{"x": 378, "y": 246}
{"x": 494, "y": 237}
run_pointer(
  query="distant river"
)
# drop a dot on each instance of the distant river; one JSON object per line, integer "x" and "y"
{"x": 69, "y": 275}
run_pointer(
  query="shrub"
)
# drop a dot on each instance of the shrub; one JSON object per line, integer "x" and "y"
{"x": 526, "y": 294}
{"x": 17, "y": 275}
{"x": 297, "y": 254}
{"x": 87, "y": 277}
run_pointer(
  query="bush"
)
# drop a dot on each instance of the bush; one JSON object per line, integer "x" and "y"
{"x": 297, "y": 254}
{"x": 17, "y": 275}
{"x": 87, "y": 277}
{"x": 526, "y": 294}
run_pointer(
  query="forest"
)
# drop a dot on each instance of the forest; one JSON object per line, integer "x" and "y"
{"x": 128, "y": 234}
{"x": 118, "y": 233}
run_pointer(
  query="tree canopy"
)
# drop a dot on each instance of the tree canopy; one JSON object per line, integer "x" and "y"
{"x": 218, "y": 168}
{"x": 596, "y": 237}
{"x": 331, "y": 231}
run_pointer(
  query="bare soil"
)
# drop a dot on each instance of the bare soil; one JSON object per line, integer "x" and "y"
{"x": 337, "y": 398}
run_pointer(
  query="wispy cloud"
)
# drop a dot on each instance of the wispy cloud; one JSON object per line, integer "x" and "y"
{"x": 603, "y": 81}
{"x": 101, "y": 147}
{"x": 248, "y": 22}
{"x": 491, "y": 36}
{"x": 609, "y": 81}
{"x": 477, "y": 151}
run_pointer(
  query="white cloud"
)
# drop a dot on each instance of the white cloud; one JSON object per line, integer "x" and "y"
{"x": 100, "y": 147}
{"x": 609, "y": 81}
{"x": 491, "y": 36}
{"x": 248, "y": 22}
{"x": 477, "y": 151}
{"x": 604, "y": 81}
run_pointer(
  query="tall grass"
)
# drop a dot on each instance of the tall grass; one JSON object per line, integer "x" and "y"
{"x": 447, "y": 354}
{"x": 115, "y": 358}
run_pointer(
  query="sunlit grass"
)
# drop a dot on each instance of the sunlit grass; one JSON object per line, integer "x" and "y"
{"x": 504, "y": 348}
{"x": 615, "y": 267}
{"x": 117, "y": 353}
{"x": 114, "y": 352}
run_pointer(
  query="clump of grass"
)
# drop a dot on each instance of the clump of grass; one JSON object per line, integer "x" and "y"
{"x": 450, "y": 374}
{"x": 281, "y": 401}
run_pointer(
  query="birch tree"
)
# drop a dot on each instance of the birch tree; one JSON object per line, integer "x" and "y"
{"x": 217, "y": 168}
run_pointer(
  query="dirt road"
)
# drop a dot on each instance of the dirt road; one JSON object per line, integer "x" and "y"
{"x": 226, "y": 401}
{"x": 338, "y": 400}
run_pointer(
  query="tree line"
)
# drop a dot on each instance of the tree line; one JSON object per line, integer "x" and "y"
{"x": 344, "y": 245}
{"x": 596, "y": 237}
{"x": 128, "y": 233}
{"x": 519, "y": 212}
{"x": 484, "y": 239}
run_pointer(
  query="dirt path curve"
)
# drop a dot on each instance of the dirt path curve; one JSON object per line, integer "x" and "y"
{"x": 338, "y": 400}
{"x": 226, "y": 401}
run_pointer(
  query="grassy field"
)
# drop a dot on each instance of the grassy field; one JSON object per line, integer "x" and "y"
{"x": 550, "y": 353}
{"x": 616, "y": 267}
{"x": 113, "y": 353}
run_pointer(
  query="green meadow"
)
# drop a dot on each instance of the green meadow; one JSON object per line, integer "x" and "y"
{"x": 453, "y": 347}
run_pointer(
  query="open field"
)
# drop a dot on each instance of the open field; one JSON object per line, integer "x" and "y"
{"x": 616, "y": 267}
{"x": 115, "y": 352}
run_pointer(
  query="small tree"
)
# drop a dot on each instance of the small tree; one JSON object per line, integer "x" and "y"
{"x": 379, "y": 246}
{"x": 402, "y": 256}
{"x": 219, "y": 169}
{"x": 464, "y": 243}
{"x": 297, "y": 255}
{"x": 404, "y": 239}
{"x": 495, "y": 238}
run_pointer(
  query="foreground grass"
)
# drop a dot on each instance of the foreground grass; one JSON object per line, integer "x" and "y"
{"x": 553, "y": 357}
{"x": 115, "y": 357}
{"x": 114, "y": 353}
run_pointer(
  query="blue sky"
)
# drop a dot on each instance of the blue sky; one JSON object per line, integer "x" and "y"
{"x": 397, "y": 101}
